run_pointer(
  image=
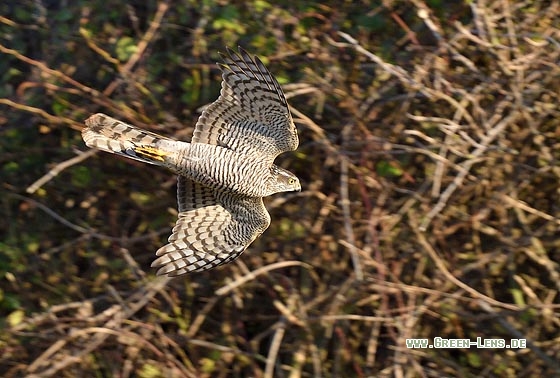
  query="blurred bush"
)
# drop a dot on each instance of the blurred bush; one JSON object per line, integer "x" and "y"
{"x": 429, "y": 156}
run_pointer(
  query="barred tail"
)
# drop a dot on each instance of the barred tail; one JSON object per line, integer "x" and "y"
{"x": 111, "y": 135}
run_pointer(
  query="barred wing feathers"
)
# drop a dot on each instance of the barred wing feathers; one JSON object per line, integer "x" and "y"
{"x": 213, "y": 228}
{"x": 251, "y": 115}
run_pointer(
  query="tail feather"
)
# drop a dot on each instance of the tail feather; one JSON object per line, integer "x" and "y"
{"x": 111, "y": 135}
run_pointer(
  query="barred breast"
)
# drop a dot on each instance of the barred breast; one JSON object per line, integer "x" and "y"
{"x": 224, "y": 169}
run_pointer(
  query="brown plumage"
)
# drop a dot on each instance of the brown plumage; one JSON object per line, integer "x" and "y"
{"x": 224, "y": 171}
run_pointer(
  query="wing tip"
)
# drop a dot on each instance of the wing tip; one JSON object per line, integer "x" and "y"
{"x": 241, "y": 54}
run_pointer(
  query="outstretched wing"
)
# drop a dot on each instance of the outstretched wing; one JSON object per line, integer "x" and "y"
{"x": 251, "y": 115}
{"x": 213, "y": 228}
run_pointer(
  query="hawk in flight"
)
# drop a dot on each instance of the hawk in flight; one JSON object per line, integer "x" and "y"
{"x": 223, "y": 173}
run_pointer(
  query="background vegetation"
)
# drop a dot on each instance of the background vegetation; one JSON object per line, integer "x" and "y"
{"x": 430, "y": 164}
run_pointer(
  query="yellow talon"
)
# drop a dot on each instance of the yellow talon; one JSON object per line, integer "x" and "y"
{"x": 150, "y": 153}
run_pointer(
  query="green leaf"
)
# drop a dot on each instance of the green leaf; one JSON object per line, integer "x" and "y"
{"x": 474, "y": 359}
{"x": 15, "y": 317}
{"x": 81, "y": 177}
{"x": 149, "y": 371}
{"x": 126, "y": 46}
{"x": 518, "y": 298}
{"x": 386, "y": 169}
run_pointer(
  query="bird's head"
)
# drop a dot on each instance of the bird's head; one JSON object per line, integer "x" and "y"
{"x": 283, "y": 181}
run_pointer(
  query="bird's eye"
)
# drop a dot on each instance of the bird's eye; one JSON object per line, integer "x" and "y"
{"x": 291, "y": 181}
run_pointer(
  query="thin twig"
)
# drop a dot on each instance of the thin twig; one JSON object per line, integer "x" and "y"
{"x": 87, "y": 231}
{"x": 33, "y": 110}
{"x": 552, "y": 363}
{"x": 134, "y": 303}
{"x": 443, "y": 269}
{"x": 273, "y": 350}
{"x": 467, "y": 166}
{"x": 141, "y": 47}
{"x": 523, "y": 206}
{"x": 253, "y": 274}
{"x": 59, "y": 168}
{"x": 345, "y": 205}
{"x": 396, "y": 71}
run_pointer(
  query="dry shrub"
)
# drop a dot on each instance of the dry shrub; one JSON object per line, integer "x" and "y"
{"x": 429, "y": 154}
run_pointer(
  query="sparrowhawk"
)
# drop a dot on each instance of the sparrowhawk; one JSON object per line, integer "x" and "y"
{"x": 223, "y": 173}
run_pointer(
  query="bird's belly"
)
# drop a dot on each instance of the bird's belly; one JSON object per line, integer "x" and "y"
{"x": 224, "y": 169}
